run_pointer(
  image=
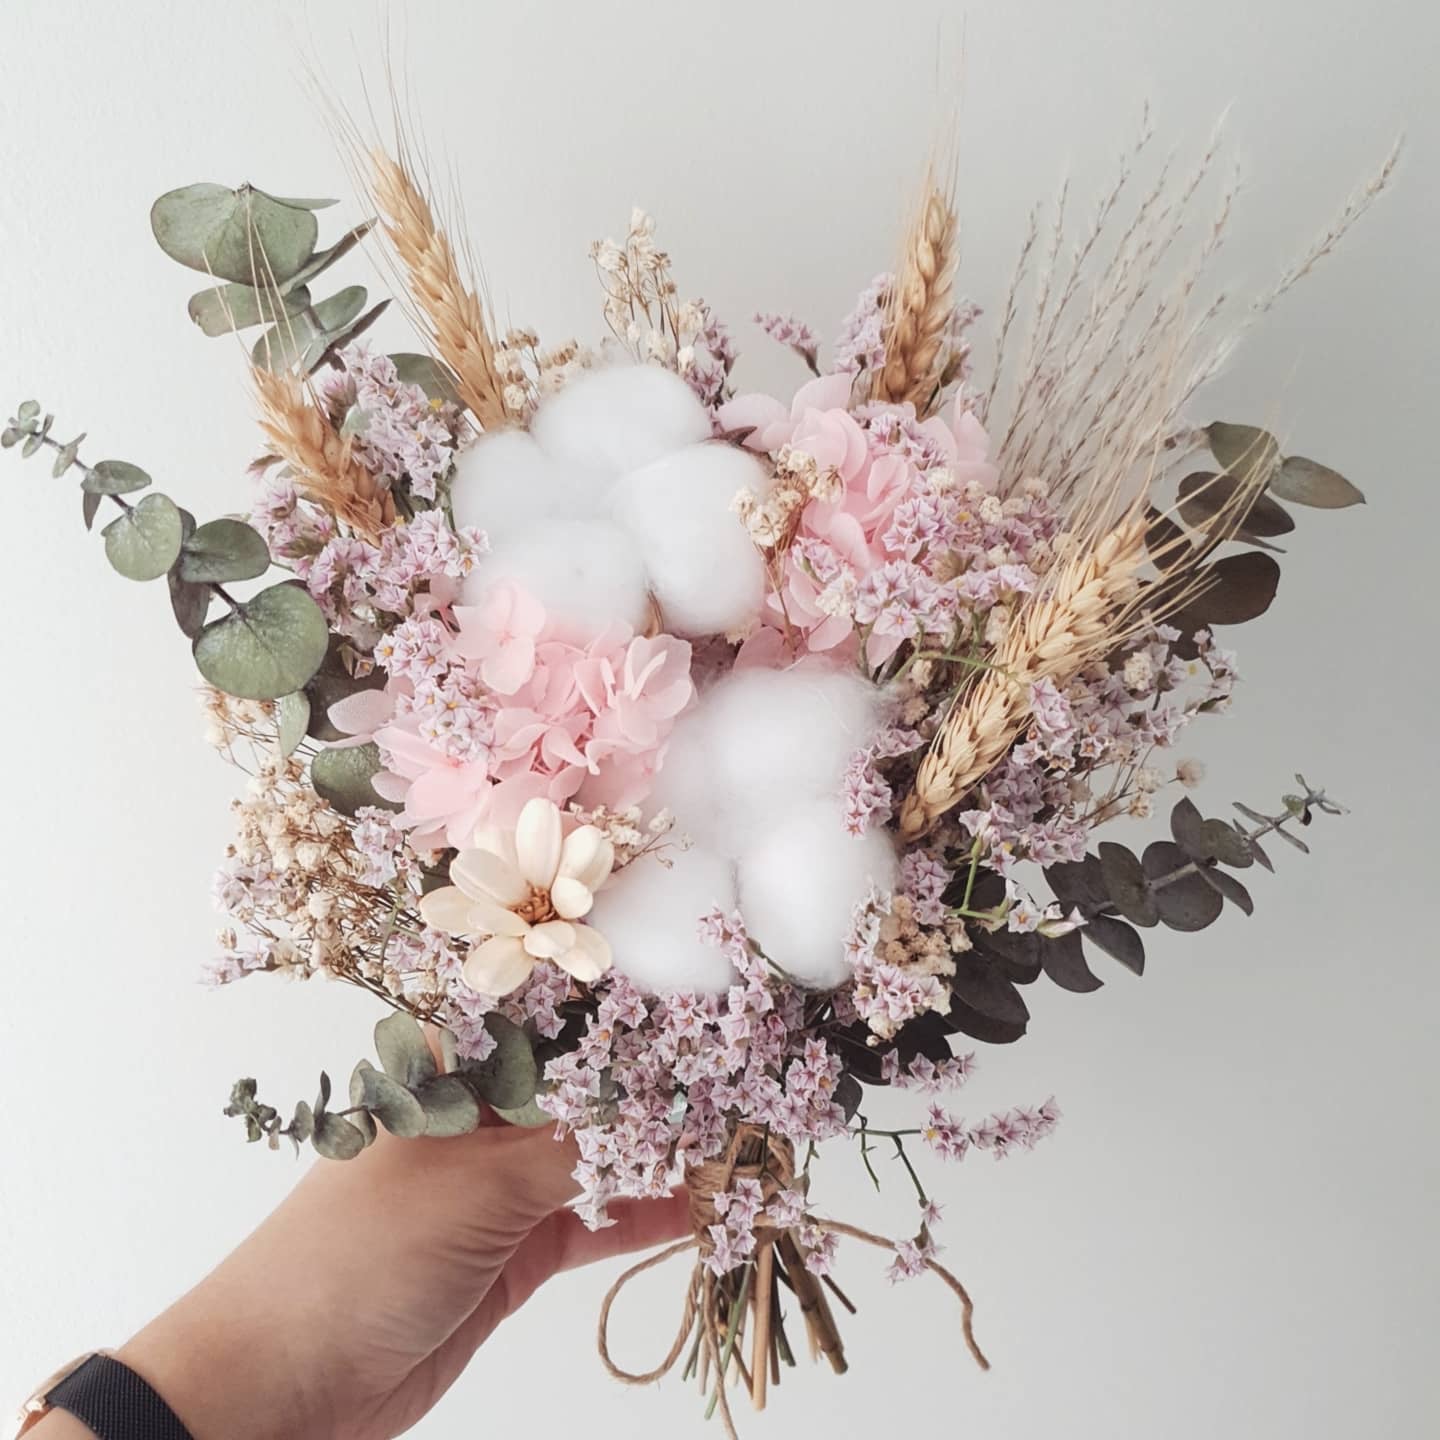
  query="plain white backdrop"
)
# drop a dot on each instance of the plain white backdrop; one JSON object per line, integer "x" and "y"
{"x": 1232, "y": 1231}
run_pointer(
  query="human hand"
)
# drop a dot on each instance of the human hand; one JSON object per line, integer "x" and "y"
{"x": 355, "y": 1306}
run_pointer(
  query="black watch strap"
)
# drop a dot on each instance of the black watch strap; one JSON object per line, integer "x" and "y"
{"x": 112, "y": 1400}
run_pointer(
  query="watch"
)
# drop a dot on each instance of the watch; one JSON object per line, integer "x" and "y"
{"x": 108, "y": 1398}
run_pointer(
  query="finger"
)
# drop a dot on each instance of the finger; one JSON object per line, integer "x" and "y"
{"x": 639, "y": 1225}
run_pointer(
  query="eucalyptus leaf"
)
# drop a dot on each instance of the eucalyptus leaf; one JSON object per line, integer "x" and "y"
{"x": 529, "y": 1116}
{"x": 268, "y": 646}
{"x": 364, "y": 1122}
{"x": 332, "y": 682}
{"x": 390, "y": 1102}
{"x": 322, "y": 260}
{"x": 189, "y": 603}
{"x": 352, "y": 332}
{"x": 303, "y": 204}
{"x": 322, "y": 1098}
{"x": 1120, "y": 941}
{"x": 1063, "y": 959}
{"x": 1166, "y": 543}
{"x": 1206, "y": 498}
{"x": 227, "y": 308}
{"x": 1127, "y": 884}
{"x": 1243, "y": 450}
{"x": 292, "y": 716}
{"x": 308, "y": 336}
{"x": 89, "y": 508}
{"x": 114, "y": 477}
{"x": 302, "y": 1126}
{"x": 429, "y": 374}
{"x": 1308, "y": 483}
{"x": 1185, "y": 825}
{"x": 65, "y": 457}
{"x": 10, "y": 436}
{"x": 224, "y": 550}
{"x": 449, "y": 1105}
{"x": 32, "y": 445}
{"x": 984, "y": 1003}
{"x": 336, "y": 1138}
{"x": 243, "y": 235}
{"x": 1229, "y": 887}
{"x": 342, "y": 775}
{"x": 28, "y": 410}
{"x": 1237, "y": 588}
{"x": 1078, "y": 882}
{"x": 404, "y": 1055}
{"x": 1185, "y": 902}
{"x": 1227, "y": 845}
{"x": 508, "y": 1076}
{"x": 143, "y": 541}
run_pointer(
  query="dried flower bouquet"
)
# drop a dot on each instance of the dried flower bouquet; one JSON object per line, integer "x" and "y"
{"x": 691, "y": 760}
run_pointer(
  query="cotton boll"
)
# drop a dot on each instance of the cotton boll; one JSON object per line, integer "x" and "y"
{"x": 586, "y": 573}
{"x": 508, "y": 487}
{"x": 776, "y": 739}
{"x": 651, "y": 917}
{"x": 620, "y": 418}
{"x": 703, "y": 568}
{"x": 799, "y": 883}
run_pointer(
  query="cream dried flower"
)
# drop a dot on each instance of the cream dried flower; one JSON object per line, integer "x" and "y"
{"x": 528, "y": 893}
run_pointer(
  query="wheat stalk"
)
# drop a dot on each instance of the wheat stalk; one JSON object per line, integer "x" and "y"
{"x": 451, "y": 311}
{"x": 921, "y": 304}
{"x": 1088, "y": 609}
{"x": 301, "y": 435}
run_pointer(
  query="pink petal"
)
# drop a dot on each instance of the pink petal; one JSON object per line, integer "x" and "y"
{"x": 362, "y": 713}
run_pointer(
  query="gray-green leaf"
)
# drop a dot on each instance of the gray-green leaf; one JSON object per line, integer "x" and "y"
{"x": 509, "y": 1076}
{"x": 307, "y": 337}
{"x": 293, "y": 717}
{"x": 429, "y": 374}
{"x": 270, "y": 645}
{"x": 236, "y": 307}
{"x": 1243, "y": 450}
{"x": 336, "y": 1138}
{"x": 342, "y": 776}
{"x": 1308, "y": 483}
{"x": 400, "y": 1044}
{"x": 243, "y": 235}
{"x": 388, "y": 1101}
{"x": 142, "y": 542}
{"x": 223, "y": 550}
{"x": 114, "y": 477}
{"x": 529, "y": 1115}
{"x": 450, "y": 1106}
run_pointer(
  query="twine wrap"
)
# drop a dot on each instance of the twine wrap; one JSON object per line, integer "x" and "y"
{"x": 716, "y": 1307}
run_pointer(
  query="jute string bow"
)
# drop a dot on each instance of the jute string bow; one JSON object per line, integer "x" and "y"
{"x": 719, "y": 1309}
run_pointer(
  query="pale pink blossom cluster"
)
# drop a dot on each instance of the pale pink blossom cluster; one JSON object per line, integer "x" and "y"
{"x": 495, "y": 706}
{"x": 952, "y": 1138}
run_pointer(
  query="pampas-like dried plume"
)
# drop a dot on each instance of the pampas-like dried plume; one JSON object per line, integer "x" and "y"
{"x": 299, "y": 433}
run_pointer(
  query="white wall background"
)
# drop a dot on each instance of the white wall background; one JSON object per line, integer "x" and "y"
{"x": 1232, "y": 1232}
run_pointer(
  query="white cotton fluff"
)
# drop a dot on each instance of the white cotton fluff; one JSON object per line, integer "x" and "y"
{"x": 620, "y": 418}
{"x": 799, "y": 883}
{"x": 703, "y": 568}
{"x": 651, "y": 916}
{"x": 586, "y": 573}
{"x": 505, "y": 485}
{"x": 761, "y": 743}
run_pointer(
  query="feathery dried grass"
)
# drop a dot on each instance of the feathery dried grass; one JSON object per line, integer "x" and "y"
{"x": 451, "y": 311}
{"x": 921, "y": 303}
{"x": 299, "y": 433}
{"x": 1087, "y": 609}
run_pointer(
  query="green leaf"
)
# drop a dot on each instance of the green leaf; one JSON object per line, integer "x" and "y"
{"x": 450, "y": 1106}
{"x": 1185, "y": 825}
{"x": 1204, "y": 498}
{"x": 224, "y": 550}
{"x": 364, "y": 1122}
{"x": 303, "y": 339}
{"x": 243, "y": 235}
{"x": 10, "y": 436}
{"x": 299, "y": 204}
{"x": 142, "y": 542}
{"x": 302, "y": 1126}
{"x": 333, "y": 681}
{"x": 292, "y": 714}
{"x": 89, "y": 508}
{"x": 404, "y": 1054}
{"x": 1187, "y": 902}
{"x": 28, "y": 410}
{"x": 32, "y": 445}
{"x": 322, "y": 260}
{"x": 1243, "y": 450}
{"x": 1126, "y": 882}
{"x": 236, "y": 307}
{"x": 1120, "y": 941}
{"x": 267, "y": 647}
{"x": 342, "y": 776}
{"x": 1307, "y": 483}
{"x": 529, "y": 1115}
{"x": 114, "y": 477}
{"x": 65, "y": 457}
{"x": 190, "y": 604}
{"x": 429, "y": 374}
{"x": 1226, "y": 845}
{"x": 1229, "y": 887}
{"x": 322, "y": 1100}
{"x": 1236, "y": 589}
{"x": 509, "y": 1076}
{"x": 388, "y": 1101}
{"x": 336, "y": 1138}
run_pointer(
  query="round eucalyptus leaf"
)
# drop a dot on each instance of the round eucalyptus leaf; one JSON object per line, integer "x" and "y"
{"x": 142, "y": 542}
{"x": 306, "y": 337}
{"x": 292, "y": 716}
{"x": 223, "y": 550}
{"x": 267, "y": 647}
{"x": 1185, "y": 826}
{"x": 531, "y": 1117}
{"x": 11, "y": 436}
{"x": 343, "y": 774}
{"x": 1206, "y": 498}
{"x": 1243, "y": 450}
{"x": 114, "y": 477}
{"x": 65, "y": 457}
{"x": 984, "y": 1004}
{"x": 1227, "y": 845}
{"x": 243, "y": 235}
{"x": 404, "y": 1054}
{"x": 450, "y": 1106}
{"x": 1186, "y": 902}
{"x": 429, "y": 374}
{"x": 1236, "y": 589}
{"x": 1165, "y": 542}
{"x": 226, "y": 308}
{"x": 1308, "y": 483}
{"x": 1063, "y": 959}
{"x": 189, "y": 603}
{"x": 391, "y": 1103}
{"x": 1078, "y": 882}
{"x": 28, "y": 410}
{"x": 1229, "y": 887}
{"x": 1118, "y": 940}
{"x": 1128, "y": 887}
{"x": 336, "y": 1138}
{"x": 332, "y": 682}
{"x": 508, "y": 1076}
{"x": 364, "y": 1122}
{"x": 302, "y": 1126}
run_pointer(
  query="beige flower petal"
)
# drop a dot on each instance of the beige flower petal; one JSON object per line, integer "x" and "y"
{"x": 490, "y": 917}
{"x": 497, "y": 842}
{"x": 550, "y": 940}
{"x": 447, "y": 909}
{"x": 498, "y": 966}
{"x": 587, "y": 856}
{"x": 537, "y": 841}
{"x": 570, "y": 898}
{"x": 589, "y": 958}
{"x": 482, "y": 874}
